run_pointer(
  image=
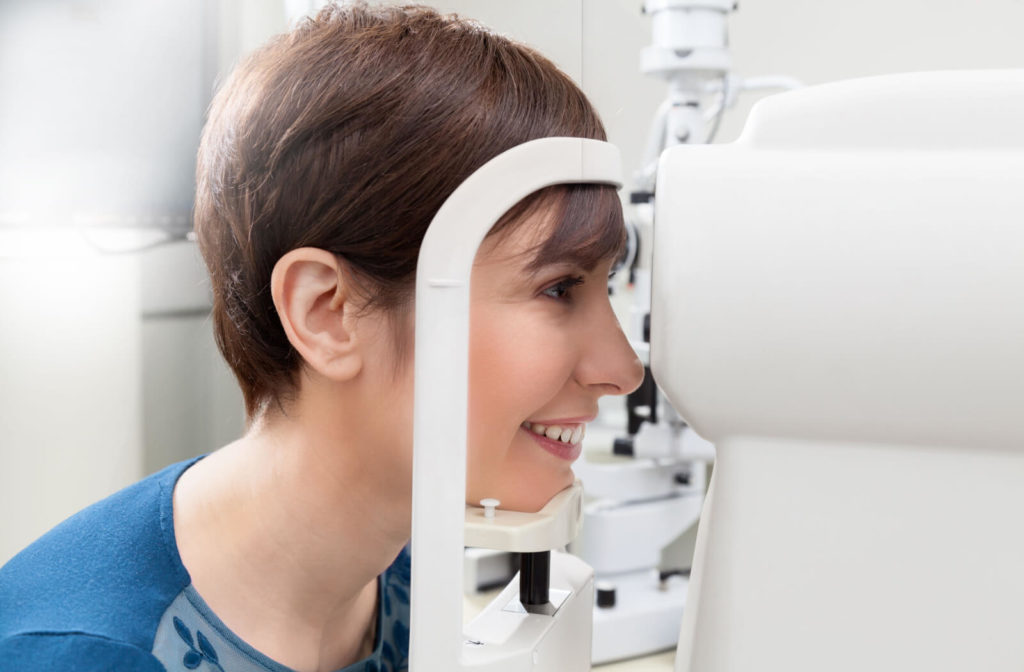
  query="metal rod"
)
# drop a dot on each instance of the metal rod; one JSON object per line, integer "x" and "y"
{"x": 534, "y": 577}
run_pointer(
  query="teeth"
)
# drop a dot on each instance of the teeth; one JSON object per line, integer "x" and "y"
{"x": 572, "y": 435}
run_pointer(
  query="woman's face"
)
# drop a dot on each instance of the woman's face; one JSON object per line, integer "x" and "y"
{"x": 544, "y": 346}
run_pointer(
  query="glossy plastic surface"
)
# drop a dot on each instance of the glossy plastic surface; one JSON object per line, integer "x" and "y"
{"x": 838, "y": 306}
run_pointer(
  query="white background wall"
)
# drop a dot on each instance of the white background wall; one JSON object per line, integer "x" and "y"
{"x": 106, "y": 364}
{"x": 107, "y": 369}
{"x": 70, "y": 411}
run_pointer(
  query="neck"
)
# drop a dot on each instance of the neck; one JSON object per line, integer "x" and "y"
{"x": 285, "y": 532}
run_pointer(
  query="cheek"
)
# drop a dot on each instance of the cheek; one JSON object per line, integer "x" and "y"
{"x": 517, "y": 367}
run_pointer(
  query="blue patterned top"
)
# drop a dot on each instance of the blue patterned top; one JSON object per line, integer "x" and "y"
{"x": 106, "y": 591}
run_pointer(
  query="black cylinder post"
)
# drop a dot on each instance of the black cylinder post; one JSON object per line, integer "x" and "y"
{"x": 534, "y": 577}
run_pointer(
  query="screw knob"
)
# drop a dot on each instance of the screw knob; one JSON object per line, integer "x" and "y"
{"x": 489, "y": 504}
{"x": 605, "y": 594}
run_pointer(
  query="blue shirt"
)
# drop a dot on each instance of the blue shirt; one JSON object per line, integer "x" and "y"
{"x": 105, "y": 591}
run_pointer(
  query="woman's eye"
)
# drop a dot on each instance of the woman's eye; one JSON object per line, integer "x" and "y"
{"x": 562, "y": 290}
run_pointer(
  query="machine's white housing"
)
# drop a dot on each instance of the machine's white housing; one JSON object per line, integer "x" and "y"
{"x": 839, "y": 307}
{"x": 499, "y": 640}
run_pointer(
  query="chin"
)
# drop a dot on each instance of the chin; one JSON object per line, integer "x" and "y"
{"x": 532, "y": 497}
{"x": 524, "y": 481}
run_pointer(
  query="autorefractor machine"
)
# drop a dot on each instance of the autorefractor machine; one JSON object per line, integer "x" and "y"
{"x": 838, "y": 305}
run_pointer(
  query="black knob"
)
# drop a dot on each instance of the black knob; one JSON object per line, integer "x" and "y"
{"x": 605, "y": 595}
{"x": 623, "y": 446}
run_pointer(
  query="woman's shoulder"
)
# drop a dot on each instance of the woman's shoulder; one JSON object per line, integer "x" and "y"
{"x": 42, "y": 652}
{"x": 107, "y": 571}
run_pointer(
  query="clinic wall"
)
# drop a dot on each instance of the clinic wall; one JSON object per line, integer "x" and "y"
{"x": 70, "y": 410}
{"x": 106, "y": 366}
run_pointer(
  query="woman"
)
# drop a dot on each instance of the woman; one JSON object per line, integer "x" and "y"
{"x": 324, "y": 160}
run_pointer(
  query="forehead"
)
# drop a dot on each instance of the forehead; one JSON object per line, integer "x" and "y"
{"x": 579, "y": 225}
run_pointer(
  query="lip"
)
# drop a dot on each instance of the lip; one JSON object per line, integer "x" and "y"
{"x": 564, "y": 451}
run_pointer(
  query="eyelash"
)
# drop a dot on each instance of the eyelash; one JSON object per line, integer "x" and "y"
{"x": 563, "y": 288}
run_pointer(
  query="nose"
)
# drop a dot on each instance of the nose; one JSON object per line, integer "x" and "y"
{"x": 608, "y": 364}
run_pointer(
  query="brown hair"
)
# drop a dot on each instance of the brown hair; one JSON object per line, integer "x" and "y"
{"x": 347, "y": 134}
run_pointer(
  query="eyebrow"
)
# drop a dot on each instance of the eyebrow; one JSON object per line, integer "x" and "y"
{"x": 573, "y": 265}
{"x": 581, "y": 257}
{"x": 534, "y": 271}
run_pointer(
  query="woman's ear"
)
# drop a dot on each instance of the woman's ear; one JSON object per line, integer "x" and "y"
{"x": 317, "y": 310}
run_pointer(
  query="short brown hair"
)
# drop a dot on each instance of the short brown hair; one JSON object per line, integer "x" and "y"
{"x": 347, "y": 134}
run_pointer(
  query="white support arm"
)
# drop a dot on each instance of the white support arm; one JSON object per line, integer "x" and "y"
{"x": 441, "y": 373}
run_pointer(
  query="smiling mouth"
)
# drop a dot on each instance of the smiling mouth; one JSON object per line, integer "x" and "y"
{"x": 567, "y": 434}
